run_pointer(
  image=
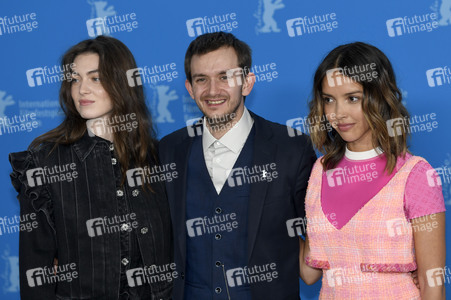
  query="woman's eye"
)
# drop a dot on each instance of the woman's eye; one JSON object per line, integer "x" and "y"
{"x": 327, "y": 99}
{"x": 354, "y": 99}
{"x": 96, "y": 79}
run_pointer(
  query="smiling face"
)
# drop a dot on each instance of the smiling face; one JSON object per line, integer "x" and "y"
{"x": 343, "y": 108}
{"x": 90, "y": 98}
{"x": 210, "y": 88}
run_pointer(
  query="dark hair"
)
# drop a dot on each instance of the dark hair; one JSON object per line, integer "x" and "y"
{"x": 381, "y": 102}
{"x": 208, "y": 42}
{"x": 114, "y": 61}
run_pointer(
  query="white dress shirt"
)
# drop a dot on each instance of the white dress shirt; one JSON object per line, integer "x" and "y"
{"x": 221, "y": 155}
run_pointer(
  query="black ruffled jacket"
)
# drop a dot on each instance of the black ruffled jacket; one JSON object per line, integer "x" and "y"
{"x": 64, "y": 211}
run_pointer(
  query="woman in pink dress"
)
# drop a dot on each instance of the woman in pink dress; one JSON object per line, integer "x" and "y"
{"x": 375, "y": 212}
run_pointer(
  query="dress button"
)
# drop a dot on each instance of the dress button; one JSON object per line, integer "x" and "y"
{"x": 218, "y": 236}
{"x": 119, "y": 193}
{"x": 112, "y": 147}
{"x": 125, "y": 227}
{"x": 144, "y": 230}
{"x": 124, "y": 261}
{"x": 114, "y": 161}
{"x": 218, "y": 210}
{"x": 135, "y": 192}
{"x": 218, "y": 263}
{"x": 218, "y": 290}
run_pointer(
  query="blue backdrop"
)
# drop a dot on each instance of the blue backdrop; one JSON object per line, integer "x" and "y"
{"x": 288, "y": 37}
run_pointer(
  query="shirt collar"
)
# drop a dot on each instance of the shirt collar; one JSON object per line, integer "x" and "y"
{"x": 86, "y": 143}
{"x": 235, "y": 138}
{"x": 363, "y": 155}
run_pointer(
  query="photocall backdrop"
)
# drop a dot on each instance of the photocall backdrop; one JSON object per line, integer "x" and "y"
{"x": 289, "y": 38}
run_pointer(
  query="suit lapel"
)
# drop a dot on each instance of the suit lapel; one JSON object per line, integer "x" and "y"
{"x": 264, "y": 153}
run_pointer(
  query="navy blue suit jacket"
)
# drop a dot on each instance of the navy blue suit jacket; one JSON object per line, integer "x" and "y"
{"x": 271, "y": 204}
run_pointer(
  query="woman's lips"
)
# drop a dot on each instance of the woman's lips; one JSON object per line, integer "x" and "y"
{"x": 345, "y": 127}
{"x": 85, "y": 102}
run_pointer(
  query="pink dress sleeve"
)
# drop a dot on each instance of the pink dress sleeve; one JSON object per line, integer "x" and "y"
{"x": 423, "y": 195}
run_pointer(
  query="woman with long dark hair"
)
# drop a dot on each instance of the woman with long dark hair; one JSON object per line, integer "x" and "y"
{"x": 103, "y": 228}
{"x": 375, "y": 212}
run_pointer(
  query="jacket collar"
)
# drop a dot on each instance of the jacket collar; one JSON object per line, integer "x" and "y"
{"x": 86, "y": 143}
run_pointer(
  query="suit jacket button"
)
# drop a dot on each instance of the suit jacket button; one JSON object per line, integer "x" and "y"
{"x": 144, "y": 230}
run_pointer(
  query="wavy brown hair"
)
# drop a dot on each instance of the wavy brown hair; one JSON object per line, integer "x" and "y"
{"x": 382, "y": 101}
{"x": 136, "y": 147}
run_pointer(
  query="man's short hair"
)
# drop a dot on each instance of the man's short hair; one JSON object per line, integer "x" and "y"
{"x": 209, "y": 42}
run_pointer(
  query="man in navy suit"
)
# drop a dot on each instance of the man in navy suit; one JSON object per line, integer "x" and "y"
{"x": 241, "y": 180}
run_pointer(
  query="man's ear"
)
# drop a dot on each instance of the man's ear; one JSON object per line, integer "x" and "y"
{"x": 189, "y": 88}
{"x": 248, "y": 84}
